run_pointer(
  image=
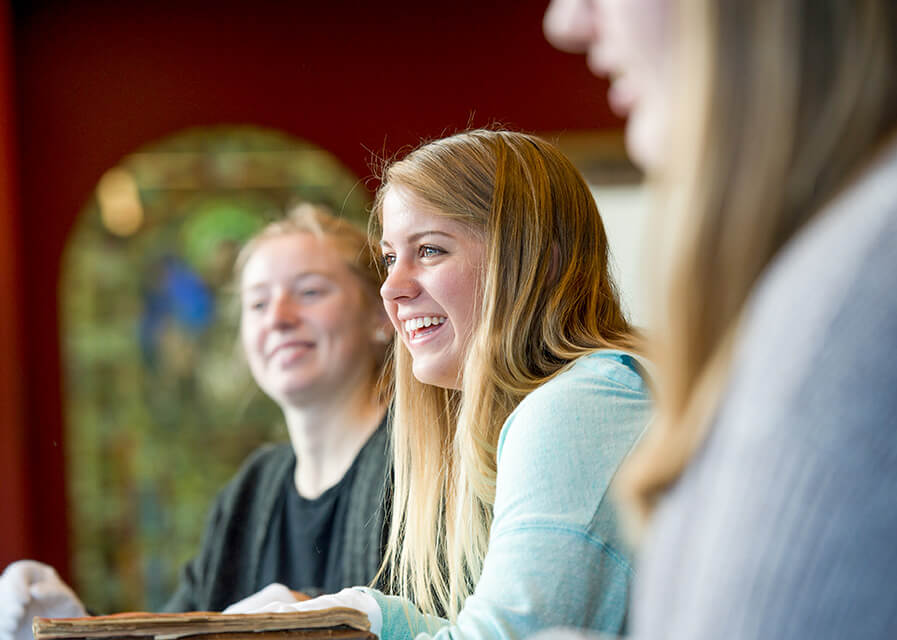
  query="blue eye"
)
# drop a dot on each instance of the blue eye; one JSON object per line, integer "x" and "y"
{"x": 429, "y": 251}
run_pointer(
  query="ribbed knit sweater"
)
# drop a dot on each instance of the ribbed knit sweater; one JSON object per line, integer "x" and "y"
{"x": 785, "y": 524}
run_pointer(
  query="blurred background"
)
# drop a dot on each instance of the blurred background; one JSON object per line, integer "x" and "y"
{"x": 140, "y": 144}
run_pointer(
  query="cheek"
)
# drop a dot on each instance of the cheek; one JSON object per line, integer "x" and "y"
{"x": 247, "y": 338}
{"x": 347, "y": 321}
{"x": 461, "y": 298}
{"x": 647, "y": 27}
{"x": 635, "y": 31}
{"x": 341, "y": 327}
{"x": 252, "y": 343}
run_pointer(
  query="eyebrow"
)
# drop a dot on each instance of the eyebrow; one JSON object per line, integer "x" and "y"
{"x": 414, "y": 237}
{"x": 294, "y": 278}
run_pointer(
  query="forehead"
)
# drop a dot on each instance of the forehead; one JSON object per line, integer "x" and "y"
{"x": 404, "y": 215}
{"x": 293, "y": 255}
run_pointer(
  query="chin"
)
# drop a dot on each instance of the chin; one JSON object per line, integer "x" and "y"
{"x": 297, "y": 388}
{"x": 424, "y": 375}
{"x": 644, "y": 142}
{"x": 436, "y": 376}
{"x": 638, "y": 154}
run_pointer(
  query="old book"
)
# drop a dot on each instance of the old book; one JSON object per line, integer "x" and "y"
{"x": 337, "y": 623}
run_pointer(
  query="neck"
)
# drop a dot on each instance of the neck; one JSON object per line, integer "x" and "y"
{"x": 328, "y": 434}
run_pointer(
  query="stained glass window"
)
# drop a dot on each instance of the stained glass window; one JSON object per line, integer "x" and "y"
{"x": 160, "y": 408}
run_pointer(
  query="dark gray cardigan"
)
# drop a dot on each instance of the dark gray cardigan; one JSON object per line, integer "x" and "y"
{"x": 227, "y": 566}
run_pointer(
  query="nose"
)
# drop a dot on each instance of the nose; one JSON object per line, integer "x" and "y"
{"x": 569, "y": 25}
{"x": 282, "y": 311}
{"x": 400, "y": 283}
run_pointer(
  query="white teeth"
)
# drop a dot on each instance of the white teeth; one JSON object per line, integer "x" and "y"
{"x": 412, "y": 324}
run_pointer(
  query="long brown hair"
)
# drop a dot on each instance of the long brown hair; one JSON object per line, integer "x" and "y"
{"x": 780, "y": 104}
{"x": 547, "y": 299}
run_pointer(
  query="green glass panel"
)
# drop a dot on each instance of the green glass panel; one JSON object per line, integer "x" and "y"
{"x": 160, "y": 409}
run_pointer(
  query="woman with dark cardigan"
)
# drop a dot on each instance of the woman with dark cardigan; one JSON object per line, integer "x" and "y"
{"x": 308, "y": 514}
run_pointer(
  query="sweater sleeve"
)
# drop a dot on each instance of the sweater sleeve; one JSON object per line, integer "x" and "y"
{"x": 554, "y": 556}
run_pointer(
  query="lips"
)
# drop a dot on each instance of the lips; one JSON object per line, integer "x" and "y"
{"x": 418, "y": 327}
{"x": 293, "y": 347}
{"x": 621, "y": 97}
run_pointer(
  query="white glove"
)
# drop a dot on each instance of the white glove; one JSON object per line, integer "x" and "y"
{"x": 274, "y": 592}
{"x": 29, "y": 589}
{"x": 276, "y": 598}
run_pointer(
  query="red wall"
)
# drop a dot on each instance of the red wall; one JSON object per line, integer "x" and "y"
{"x": 96, "y": 80}
{"x": 14, "y": 528}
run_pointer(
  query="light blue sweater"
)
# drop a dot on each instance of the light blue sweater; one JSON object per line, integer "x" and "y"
{"x": 556, "y": 556}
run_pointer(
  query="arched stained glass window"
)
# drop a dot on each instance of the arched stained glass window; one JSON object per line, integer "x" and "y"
{"x": 160, "y": 409}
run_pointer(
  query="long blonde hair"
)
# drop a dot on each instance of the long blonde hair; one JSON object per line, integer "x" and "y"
{"x": 780, "y": 104}
{"x": 547, "y": 299}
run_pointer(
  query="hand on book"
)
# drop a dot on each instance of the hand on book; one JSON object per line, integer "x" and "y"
{"x": 29, "y": 589}
{"x": 273, "y": 593}
{"x": 276, "y": 598}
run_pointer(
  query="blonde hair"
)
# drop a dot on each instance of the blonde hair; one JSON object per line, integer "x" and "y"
{"x": 547, "y": 299}
{"x": 780, "y": 104}
{"x": 352, "y": 244}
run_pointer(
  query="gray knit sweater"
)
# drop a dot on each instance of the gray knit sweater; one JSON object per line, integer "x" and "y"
{"x": 785, "y": 524}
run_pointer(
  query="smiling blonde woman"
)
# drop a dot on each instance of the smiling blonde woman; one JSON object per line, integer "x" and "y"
{"x": 518, "y": 394}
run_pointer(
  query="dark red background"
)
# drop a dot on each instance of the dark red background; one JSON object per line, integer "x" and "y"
{"x": 85, "y": 82}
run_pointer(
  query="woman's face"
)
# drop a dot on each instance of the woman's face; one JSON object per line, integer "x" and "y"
{"x": 434, "y": 267}
{"x": 630, "y": 42}
{"x": 306, "y": 326}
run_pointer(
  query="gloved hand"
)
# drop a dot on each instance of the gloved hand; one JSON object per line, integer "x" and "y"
{"x": 29, "y": 589}
{"x": 276, "y": 598}
{"x": 274, "y": 592}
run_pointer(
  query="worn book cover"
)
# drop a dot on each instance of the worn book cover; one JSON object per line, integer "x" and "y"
{"x": 337, "y": 623}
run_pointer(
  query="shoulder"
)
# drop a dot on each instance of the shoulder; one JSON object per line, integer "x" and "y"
{"x": 377, "y": 448}
{"x": 260, "y": 474}
{"x": 842, "y": 262}
{"x": 601, "y": 375}
{"x": 578, "y": 426}
{"x": 265, "y": 460}
{"x": 817, "y": 342}
{"x": 607, "y": 366}
{"x": 809, "y": 404}
{"x": 370, "y": 472}
{"x": 560, "y": 449}
{"x": 597, "y": 395}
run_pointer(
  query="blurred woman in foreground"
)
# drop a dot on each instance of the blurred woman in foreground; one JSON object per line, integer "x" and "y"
{"x": 770, "y": 477}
